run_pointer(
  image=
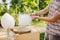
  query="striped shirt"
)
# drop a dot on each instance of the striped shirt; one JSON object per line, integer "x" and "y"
{"x": 54, "y": 28}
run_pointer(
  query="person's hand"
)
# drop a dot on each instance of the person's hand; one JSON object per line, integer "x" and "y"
{"x": 33, "y": 14}
{"x": 34, "y": 17}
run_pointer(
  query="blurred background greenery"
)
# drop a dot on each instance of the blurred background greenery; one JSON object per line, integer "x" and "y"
{"x": 13, "y": 7}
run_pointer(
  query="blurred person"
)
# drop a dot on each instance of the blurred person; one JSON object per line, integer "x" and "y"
{"x": 53, "y": 19}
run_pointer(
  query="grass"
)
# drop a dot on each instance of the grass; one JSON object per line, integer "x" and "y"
{"x": 36, "y": 22}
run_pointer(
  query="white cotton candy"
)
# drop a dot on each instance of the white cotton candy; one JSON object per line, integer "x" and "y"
{"x": 7, "y": 21}
{"x": 24, "y": 19}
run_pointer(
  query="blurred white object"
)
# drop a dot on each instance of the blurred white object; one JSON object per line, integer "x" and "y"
{"x": 8, "y": 6}
{"x": 7, "y": 21}
{"x": 11, "y": 34}
{"x": 24, "y": 19}
{"x": 1, "y": 2}
{"x": 8, "y": 1}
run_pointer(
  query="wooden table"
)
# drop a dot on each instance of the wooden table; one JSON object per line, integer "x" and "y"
{"x": 27, "y": 36}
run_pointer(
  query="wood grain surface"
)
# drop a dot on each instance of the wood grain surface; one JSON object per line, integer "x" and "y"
{"x": 27, "y": 36}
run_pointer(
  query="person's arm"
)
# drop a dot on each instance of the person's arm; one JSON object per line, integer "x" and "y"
{"x": 43, "y": 11}
{"x": 54, "y": 18}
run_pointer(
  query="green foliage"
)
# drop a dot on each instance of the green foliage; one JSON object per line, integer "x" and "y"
{"x": 43, "y": 3}
{"x": 27, "y": 6}
{"x": 24, "y": 6}
{"x": 42, "y": 36}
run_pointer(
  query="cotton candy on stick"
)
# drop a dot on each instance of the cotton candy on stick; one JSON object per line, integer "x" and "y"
{"x": 24, "y": 19}
{"x": 7, "y": 21}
